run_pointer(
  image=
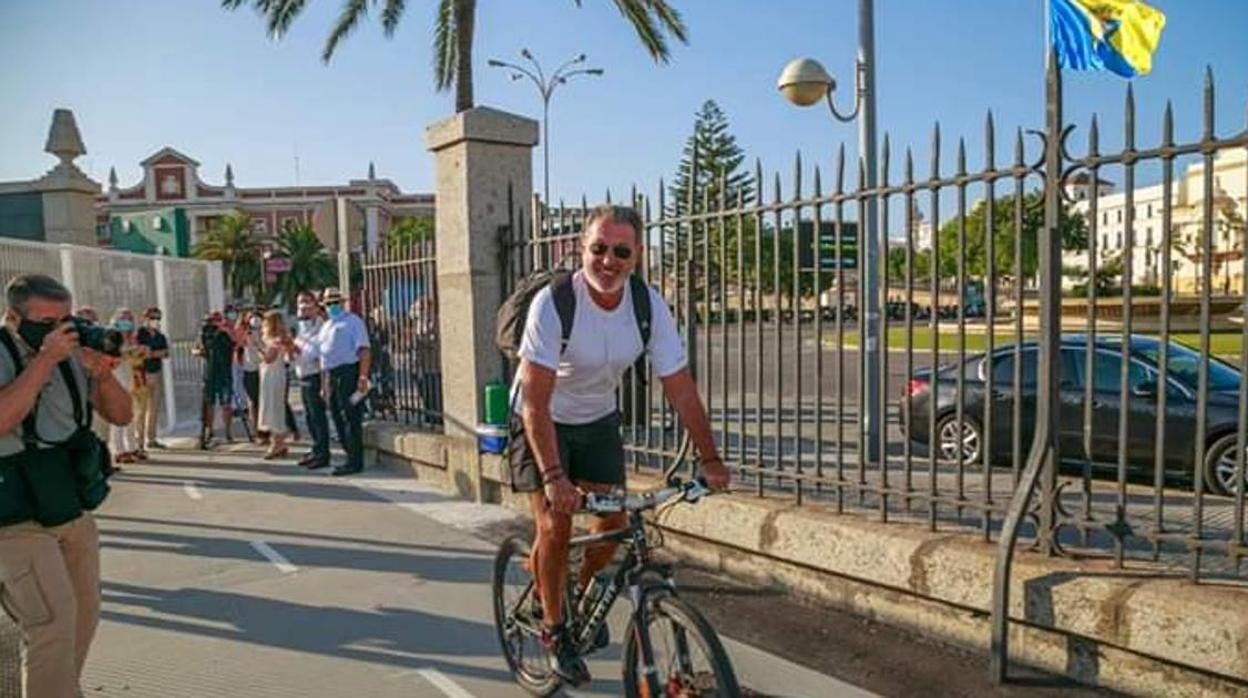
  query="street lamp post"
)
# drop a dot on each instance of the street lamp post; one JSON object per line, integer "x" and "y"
{"x": 805, "y": 82}
{"x": 546, "y": 87}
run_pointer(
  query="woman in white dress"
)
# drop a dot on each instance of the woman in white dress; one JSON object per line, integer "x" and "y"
{"x": 276, "y": 348}
{"x": 123, "y": 441}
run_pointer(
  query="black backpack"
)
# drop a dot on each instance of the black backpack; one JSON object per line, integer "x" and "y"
{"x": 514, "y": 311}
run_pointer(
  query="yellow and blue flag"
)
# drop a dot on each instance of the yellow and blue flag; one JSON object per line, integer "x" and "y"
{"x": 1115, "y": 35}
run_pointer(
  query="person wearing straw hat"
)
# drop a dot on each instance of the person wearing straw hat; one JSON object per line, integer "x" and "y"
{"x": 345, "y": 363}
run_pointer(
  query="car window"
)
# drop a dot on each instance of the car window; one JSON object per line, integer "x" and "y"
{"x": 1107, "y": 372}
{"x": 1003, "y": 368}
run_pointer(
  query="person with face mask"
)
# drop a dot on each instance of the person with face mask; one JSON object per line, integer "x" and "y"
{"x": 49, "y": 483}
{"x": 308, "y": 371}
{"x": 346, "y": 359}
{"x": 129, "y": 372}
{"x": 250, "y": 350}
{"x": 150, "y": 336}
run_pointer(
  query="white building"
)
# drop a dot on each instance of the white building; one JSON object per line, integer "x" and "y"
{"x": 1230, "y": 206}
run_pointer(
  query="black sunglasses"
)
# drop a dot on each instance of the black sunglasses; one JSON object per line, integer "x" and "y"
{"x": 621, "y": 252}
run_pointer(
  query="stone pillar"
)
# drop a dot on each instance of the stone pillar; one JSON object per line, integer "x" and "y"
{"x": 477, "y": 155}
{"x": 68, "y": 194}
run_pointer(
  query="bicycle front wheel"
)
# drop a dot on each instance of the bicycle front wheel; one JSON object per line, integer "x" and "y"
{"x": 518, "y": 630}
{"x": 689, "y": 660}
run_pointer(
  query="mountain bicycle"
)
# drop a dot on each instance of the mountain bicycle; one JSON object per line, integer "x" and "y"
{"x": 669, "y": 648}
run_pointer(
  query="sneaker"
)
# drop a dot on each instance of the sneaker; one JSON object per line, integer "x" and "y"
{"x": 562, "y": 655}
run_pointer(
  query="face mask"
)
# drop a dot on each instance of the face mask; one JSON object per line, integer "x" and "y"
{"x": 153, "y": 324}
{"x": 33, "y": 333}
{"x": 335, "y": 311}
{"x": 305, "y": 324}
{"x": 125, "y": 325}
{"x": 231, "y": 316}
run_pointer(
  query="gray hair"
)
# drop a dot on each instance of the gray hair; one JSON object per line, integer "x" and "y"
{"x": 611, "y": 213}
{"x": 23, "y": 287}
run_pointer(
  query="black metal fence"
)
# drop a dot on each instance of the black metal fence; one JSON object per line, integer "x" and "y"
{"x": 1147, "y": 456}
{"x": 401, "y": 292}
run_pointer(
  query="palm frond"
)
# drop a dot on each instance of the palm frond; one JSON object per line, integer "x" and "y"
{"x": 352, "y": 11}
{"x": 391, "y": 14}
{"x": 281, "y": 13}
{"x": 444, "y": 54}
{"x": 651, "y": 19}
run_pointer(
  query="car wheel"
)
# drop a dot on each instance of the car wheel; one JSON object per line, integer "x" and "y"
{"x": 961, "y": 447}
{"x": 1220, "y": 465}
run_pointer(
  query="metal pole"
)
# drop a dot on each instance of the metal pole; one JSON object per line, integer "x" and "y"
{"x": 869, "y": 276}
{"x": 546, "y": 147}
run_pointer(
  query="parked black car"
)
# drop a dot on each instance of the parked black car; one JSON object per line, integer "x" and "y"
{"x": 1180, "y": 420}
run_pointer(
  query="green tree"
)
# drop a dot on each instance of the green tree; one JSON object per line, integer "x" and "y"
{"x": 410, "y": 231}
{"x": 1074, "y": 232}
{"x": 717, "y": 178}
{"x": 231, "y": 242}
{"x": 311, "y": 266}
{"x": 453, "y": 29}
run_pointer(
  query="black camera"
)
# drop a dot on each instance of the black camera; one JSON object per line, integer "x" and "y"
{"x": 101, "y": 339}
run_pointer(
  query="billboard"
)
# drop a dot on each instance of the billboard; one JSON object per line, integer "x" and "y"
{"x": 827, "y": 245}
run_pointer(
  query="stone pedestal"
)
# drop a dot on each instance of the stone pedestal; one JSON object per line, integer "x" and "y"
{"x": 478, "y": 154}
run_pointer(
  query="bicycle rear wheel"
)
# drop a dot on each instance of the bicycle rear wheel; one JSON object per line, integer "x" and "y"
{"x": 689, "y": 659}
{"x": 518, "y": 633}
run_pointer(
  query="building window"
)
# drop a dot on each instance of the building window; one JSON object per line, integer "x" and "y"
{"x": 1149, "y": 236}
{"x": 1150, "y": 210}
{"x": 1104, "y": 240}
{"x": 1119, "y": 239}
{"x": 1119, "y": 215}
{"x": 1105, "y": 218}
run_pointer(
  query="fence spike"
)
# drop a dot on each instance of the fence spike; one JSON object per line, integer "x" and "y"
{"x": 758, "y": 181}
{"x": 1018, "y": 147}
{"x": 990, "y": 141}
{"x": 862, "y": 173}
{"x": 608, "y": 195}
{"x": 1167, "y": 124}
{"x": 1128, "y": 129}
{"x": 885, "y": 154}
{"x": 1208, "y": 94}
{"x": 776, "y": 199}
{"x": 723, "y": 189}
{"x": 1094, "y": 140}
{"x": 936, "y": 151}
{"x": 840, "y": 169}
{"x": 962, "y": 157}
{"x": 909, "y": 174}
{"x": 818, "y": 183}
{"x": 797, "y": 176}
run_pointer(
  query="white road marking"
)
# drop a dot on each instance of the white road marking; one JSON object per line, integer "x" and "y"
{"x": 273, "y": 556}
{"x": 444, "y": 684}
{"x": 192, "y": 491}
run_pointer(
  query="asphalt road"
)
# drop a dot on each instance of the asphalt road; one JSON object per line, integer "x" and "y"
{"x": 225, "y": 575}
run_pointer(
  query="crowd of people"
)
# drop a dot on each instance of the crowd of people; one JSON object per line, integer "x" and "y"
{"x": 253, "y": 349}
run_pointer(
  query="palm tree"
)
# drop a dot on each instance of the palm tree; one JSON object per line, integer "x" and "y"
{"x": 311, "y": 267}
{"x": 453, "y": 31}
{"x": 409, "y": 232}
{"x": 230, "y": 242}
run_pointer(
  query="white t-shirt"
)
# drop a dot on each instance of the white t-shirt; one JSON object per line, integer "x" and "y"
{"x": 603, "y": 345}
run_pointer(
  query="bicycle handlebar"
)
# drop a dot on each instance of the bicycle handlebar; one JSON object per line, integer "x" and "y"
{"x": 690, "y": 491}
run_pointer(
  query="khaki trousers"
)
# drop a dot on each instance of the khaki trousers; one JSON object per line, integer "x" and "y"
{"x": 50, "y": 586}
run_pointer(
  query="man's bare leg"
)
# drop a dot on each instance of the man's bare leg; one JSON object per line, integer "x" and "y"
{"x": 549, "y": 558}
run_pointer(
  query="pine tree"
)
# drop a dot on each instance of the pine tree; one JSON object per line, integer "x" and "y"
{"x": 717, "y": 180}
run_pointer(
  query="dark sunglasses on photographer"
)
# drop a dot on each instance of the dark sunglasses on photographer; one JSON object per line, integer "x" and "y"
{"x": 621, "y": 252}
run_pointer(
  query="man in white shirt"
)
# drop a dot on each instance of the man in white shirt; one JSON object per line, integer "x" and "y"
{"x": 308, "y": 370}
{"x": 345, "y": 362}
{"x": 566, "y": 398}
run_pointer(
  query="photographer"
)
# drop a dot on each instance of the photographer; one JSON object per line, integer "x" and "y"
{"x": 216, "y": 348}
{"x": 50, "y": 476}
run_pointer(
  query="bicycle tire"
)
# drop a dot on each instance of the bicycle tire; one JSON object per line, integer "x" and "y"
{"x": 538, "y": 685}
{"x": 699, "y": 631}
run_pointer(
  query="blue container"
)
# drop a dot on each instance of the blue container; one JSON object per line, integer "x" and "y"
{"x": 491, "y": 438}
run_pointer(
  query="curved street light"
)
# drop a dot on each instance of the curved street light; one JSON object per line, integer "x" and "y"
{"x": 546, "y": 87}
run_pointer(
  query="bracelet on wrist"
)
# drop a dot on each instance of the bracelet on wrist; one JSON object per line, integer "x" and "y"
{"x": 552, "y": 475}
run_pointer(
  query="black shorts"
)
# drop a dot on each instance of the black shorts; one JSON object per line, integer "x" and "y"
{"x": 218, "y": 391}
{"x": 592, "y": 452}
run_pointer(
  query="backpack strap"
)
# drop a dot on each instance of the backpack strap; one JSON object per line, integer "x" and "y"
{"x": 29, "y": 437}
{"x": 565, "y": 304}
{"x": 641, "y": 308}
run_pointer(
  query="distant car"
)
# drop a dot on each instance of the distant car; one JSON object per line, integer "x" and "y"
{"x": 1180, "y": 419}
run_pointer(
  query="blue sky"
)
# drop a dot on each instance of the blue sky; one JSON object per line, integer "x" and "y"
{"x": 141, "y": 74}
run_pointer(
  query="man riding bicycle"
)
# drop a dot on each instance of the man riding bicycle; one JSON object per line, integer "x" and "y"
{"x": 565, "y": 395}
